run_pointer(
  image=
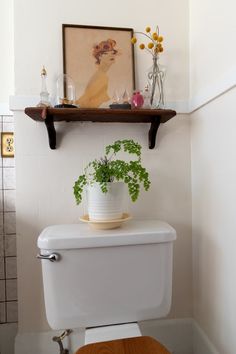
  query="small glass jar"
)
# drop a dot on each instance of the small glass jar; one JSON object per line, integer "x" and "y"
{"x": 65, "y": 92}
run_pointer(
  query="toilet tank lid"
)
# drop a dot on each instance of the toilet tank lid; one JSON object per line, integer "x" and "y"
{"x": 81, "y": 236}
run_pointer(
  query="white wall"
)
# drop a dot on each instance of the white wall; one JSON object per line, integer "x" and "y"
{"x": 6, "y": 57}
{"x": 213, "y": 147}
{"x": 45, "y": 178}
{"x": 214, "y": 243}
{"x": 38, "y": 37}
{"x": 212, "y": 52}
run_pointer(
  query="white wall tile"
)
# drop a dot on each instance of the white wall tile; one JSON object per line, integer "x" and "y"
{"x": 11, "y": 289}
{"x": 10, "y": 223}
{"x": 8, "y": 162}
{"x": 1, "y": 181}
{"x": 11, "y": 271}
{"x": 8, "y": 271}
{"x": 8, "y": 119}
{"x": 1, "y": 223}
{"x": 9, "y": 200}
{"x": 10, "y": 245}
{"x": 9, "y": 181}
{"x": 1, "y": 246}
{"x": 1, "y": 200}
{"x": 12, "y": 311}
{"x": 2, "y": 312}
{"x": 2, "y": 268}
{"x": 2, "y": 290}
{"x": 8, "y": 127}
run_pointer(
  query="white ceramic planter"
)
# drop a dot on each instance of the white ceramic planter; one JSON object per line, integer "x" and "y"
{"x": 106, "y": 206}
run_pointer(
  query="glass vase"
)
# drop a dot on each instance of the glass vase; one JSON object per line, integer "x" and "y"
{"x": 156, "y": 77}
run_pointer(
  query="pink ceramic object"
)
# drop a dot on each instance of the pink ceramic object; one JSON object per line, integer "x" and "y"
{"x": 137, "y": 100}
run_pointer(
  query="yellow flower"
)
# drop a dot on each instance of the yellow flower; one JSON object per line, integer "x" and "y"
{"x": 154, "y": 44}
{"x": 134, "y": 40}
{"x": 155, "y": 36}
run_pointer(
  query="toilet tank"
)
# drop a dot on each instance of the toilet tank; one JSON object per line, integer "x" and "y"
{"x": 106, "y": 277}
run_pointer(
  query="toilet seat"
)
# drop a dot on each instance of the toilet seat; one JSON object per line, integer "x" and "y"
{"x": 136, "y": 345}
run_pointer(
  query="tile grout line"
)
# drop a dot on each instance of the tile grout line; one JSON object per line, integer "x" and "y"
{"x": 3, "y": 231}
{"x": 5, "y": 302}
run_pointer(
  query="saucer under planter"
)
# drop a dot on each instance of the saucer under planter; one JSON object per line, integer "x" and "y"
{"x": 106, "y": 224}
{"x": 106, "y": 206}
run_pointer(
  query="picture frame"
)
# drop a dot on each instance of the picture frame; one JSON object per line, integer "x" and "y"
{"x": 100, "y": 61}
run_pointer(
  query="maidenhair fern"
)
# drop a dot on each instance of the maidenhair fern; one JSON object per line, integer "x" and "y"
{"x": 110, "y": 169}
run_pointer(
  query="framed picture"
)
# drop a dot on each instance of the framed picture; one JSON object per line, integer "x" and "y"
{"x": 100, "y": 60}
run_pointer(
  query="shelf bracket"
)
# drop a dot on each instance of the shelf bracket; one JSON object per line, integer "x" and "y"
{"x": 49, "y": 122}
{"x": 153, "y": 131}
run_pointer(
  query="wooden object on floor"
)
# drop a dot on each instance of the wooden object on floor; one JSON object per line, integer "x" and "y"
{"x": 102, "y": 115}
{"x": 137, "y": 345}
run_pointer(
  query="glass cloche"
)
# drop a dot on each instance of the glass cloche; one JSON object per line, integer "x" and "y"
{"x": 65, "y": 92}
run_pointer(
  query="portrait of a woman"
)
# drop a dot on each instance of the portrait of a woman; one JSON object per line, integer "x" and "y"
{"x": 100, "y": 60}
{"x": 96, "y": 91}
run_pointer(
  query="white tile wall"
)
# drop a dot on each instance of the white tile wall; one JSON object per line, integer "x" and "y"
{"x": 1, "y": 246}
{"x": 9, "y": 200}
{"x": 10, "y": 245}
{"x": 9, "y": 181}
{"x": 11, "y": 289}
{"x": 11, "y": 272}
{"x": 2, "y": 312}
{"x": 10, "y": 223}
{"x": 2, "y": 290}
{"x": 8, "y": 271}
{"x": 12, "y": 312}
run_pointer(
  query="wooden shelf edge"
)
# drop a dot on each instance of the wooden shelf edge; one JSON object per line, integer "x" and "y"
{"x": 104, "y": 115}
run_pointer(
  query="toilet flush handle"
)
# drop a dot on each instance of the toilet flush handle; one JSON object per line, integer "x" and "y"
{"x": 53, "y": 257}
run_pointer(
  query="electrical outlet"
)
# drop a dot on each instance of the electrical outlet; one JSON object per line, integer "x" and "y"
{"x": 7, "y": 144}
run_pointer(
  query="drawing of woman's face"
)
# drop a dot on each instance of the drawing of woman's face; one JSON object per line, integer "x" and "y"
{"x": 104, "y": 52}
{"x": 108, "y": 58}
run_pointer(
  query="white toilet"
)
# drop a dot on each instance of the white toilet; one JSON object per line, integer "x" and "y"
{"x": 95, "y": 278}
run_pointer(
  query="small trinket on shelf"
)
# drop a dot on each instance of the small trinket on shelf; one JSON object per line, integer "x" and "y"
{"x": 146, "y": 98}
{"x": 44, "y": 95}
{"x": 65, "y": 88}
{"x": 121, "y": 103}
{"x": 137, "y": 99}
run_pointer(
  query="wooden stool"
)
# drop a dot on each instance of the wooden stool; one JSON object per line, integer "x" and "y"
{"x": 136, "y": 345}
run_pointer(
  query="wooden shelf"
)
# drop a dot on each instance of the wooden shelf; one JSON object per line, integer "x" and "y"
{"x": 51, "y": 115}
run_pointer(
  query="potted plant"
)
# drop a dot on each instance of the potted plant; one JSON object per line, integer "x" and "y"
{"x": 104, "y": 180}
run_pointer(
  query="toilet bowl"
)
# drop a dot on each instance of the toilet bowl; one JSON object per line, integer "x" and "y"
{"x": 108, "y": 280}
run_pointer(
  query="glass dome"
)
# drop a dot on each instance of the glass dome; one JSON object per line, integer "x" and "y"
{"x": 65, "y": 91}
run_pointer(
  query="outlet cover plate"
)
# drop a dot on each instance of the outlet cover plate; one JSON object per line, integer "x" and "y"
{"x": 7, "y": 144}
